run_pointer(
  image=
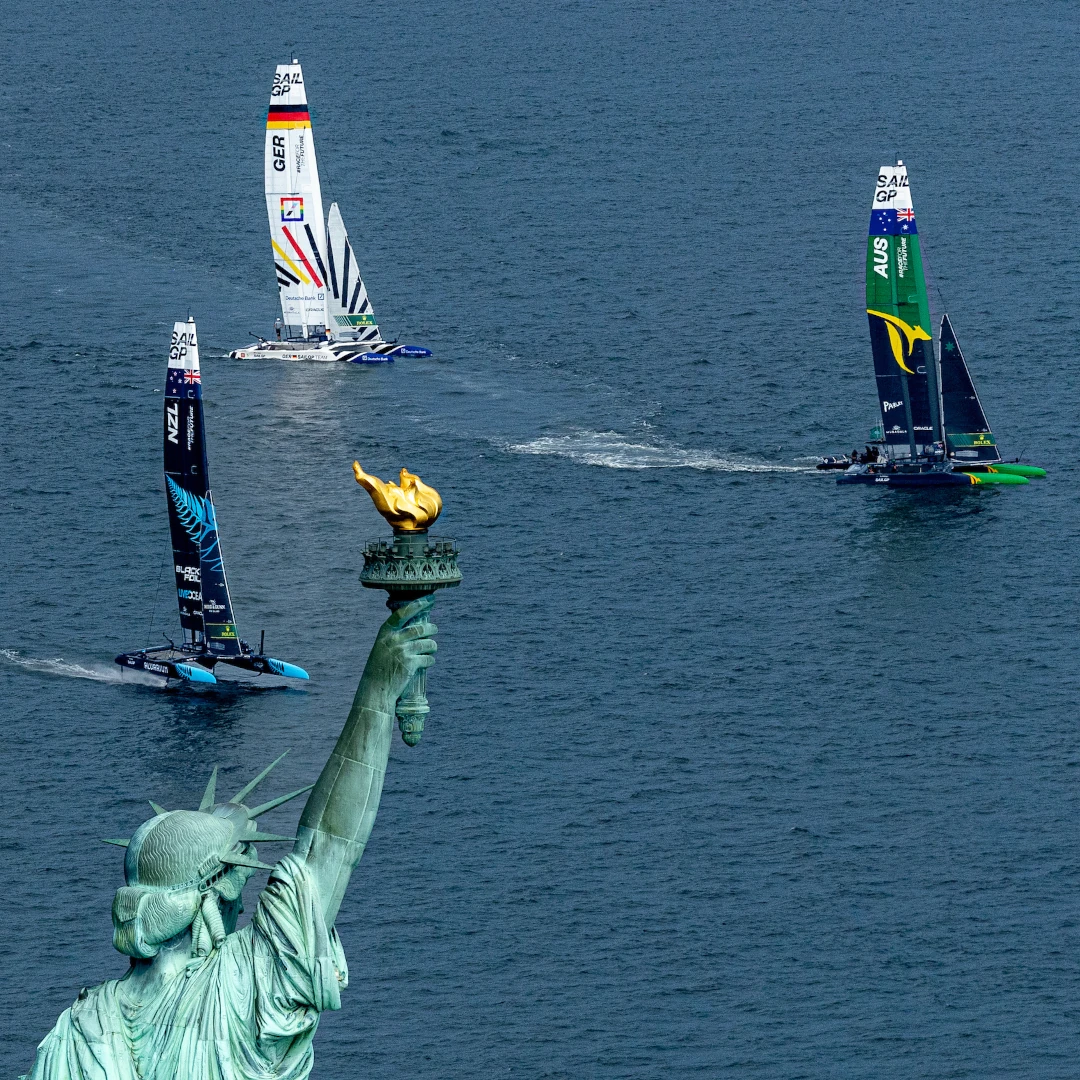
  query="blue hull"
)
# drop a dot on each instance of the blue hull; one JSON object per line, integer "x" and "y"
{"x": 390, "y": 355}
{"x": 371, "y": 358}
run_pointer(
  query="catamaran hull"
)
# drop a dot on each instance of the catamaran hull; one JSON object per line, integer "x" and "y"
{"x": 930, "y": 480}
{"x": 1006, "y": 468}
{"x": 334, "y": 354}
{"x": 253, "y": 352}
{"x": 265, "y": 665}
{"x": 166, "y": 669}
{"x": 936, "y": 479}
{"x": 189, "y": 671}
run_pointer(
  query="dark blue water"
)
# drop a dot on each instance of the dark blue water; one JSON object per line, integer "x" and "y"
{"x": 729, "y": 771}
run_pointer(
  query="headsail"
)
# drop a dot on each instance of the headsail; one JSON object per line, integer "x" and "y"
{"x": 899, "y": 314}
{"x": 350, "y": 309}
{"x": 294, "y": 205}
{"x": 201, "y": 588}
{"x": 967, "y": 434}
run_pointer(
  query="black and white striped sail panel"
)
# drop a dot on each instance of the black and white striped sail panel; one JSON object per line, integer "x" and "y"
{"x": 350, "y": 311}
{"x": 967, "y": 434}
{"x": 202, "y": 590}
{"x": 294, "y": 204}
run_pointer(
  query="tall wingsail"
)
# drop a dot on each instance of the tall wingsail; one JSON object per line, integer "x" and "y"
{"x": 967, "y": 434}
{"x": 294, "y": 205}
{"x": 350, "y": 309}
{"x": 206, "y": 612}
{"x": 899, "y": 313}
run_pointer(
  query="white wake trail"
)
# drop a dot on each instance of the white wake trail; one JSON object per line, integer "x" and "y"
{"x": 96, "y": 672}
{"x": 611, "y": 450}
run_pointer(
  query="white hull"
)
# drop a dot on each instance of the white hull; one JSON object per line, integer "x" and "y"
{"x": 298, "y": 350}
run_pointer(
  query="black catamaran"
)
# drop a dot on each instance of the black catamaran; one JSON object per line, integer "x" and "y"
{"x": 206, "y": 612}
{"x": 933, "y": 429}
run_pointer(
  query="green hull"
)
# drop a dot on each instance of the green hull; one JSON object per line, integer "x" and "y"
{"x": 1032, "y": 472}
{"x": 996, "y": 478}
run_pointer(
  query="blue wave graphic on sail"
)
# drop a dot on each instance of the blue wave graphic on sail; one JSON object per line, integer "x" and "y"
{"x": 197, "y": 517}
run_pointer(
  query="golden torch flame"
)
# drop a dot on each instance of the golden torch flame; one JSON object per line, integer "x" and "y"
{"x": 408, "y": 505}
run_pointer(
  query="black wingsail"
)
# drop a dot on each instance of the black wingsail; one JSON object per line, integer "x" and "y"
{"x": 967, "y": 434}
{"x": 903, "y": 395}
{"x": 206, "y": 612}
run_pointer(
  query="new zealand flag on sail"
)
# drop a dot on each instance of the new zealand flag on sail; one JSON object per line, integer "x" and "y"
{"x": 183, "y": 383}
{"x": 892, "y": 222}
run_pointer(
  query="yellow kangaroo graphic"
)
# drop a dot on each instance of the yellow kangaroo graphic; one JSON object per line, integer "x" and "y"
{"x": 911, "y": 333}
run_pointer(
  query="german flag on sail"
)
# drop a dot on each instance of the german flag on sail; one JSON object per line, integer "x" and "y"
{"x": 288, "y": 116}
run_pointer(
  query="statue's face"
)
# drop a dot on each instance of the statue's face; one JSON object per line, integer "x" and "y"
{"x": 230, "y": 912}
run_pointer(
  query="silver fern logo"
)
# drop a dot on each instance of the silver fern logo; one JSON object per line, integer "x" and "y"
{"x": 197, "y": 517}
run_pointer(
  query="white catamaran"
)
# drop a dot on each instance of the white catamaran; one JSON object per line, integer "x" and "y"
{"x": 325, "y": 310}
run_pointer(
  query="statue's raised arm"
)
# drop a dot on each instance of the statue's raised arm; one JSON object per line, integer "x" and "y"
{"x": 201, "y": 998}
{"x": 340, "y": 811}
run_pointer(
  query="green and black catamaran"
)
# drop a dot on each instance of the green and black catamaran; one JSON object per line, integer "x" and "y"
{"x": 933, "y": 431}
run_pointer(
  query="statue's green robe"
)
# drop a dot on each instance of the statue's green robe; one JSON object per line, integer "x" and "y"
{"x": 248, "y": 1011}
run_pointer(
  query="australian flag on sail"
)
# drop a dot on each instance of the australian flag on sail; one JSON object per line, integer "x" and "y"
{"x": 892, "y": 222}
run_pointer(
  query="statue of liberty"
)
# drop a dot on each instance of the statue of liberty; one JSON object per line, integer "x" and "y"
{"x": 202, "y": 1000}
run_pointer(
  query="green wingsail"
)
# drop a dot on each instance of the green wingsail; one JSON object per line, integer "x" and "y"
{"x": 899, "y": 312}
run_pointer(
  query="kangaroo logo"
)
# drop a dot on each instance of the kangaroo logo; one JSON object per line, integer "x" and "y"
{"x": 901, "y": 348}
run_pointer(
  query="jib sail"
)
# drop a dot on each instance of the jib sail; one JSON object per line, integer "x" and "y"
{"x": 202, "y": 592}
{"x": 351, "y": 313}
{"x": 967, "y": 434}
{"x": 899, "y": 314}
{"x": 294, "y": 205}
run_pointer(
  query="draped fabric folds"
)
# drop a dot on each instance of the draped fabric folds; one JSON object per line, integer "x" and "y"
{"x": 248, "y": 1011}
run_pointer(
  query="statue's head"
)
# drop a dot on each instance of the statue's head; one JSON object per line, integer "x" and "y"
{"x": 187, "y": 868}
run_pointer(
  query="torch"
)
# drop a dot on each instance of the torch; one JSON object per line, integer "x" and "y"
{"x": 411, "y": 565}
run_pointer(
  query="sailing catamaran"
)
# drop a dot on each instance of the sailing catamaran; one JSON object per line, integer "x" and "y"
{"x": 933, "y": 429}
{"x": 326, "y": 313}
{"x": 206, "y": 612}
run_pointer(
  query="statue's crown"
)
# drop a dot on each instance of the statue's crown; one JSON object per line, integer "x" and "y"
{"x": 179, "y": 849}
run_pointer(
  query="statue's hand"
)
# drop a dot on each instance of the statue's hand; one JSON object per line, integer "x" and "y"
{"x": 405, "y": 644}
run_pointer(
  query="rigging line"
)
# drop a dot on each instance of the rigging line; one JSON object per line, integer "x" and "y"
{"x": 329, "y": 181}
{"x": 932, "y": 282}
{"x": 157, "y": 588}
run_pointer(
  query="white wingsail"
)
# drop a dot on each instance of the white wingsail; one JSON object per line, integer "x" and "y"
{"x": 351, "y": 314}
{"x": 294, "y": 205}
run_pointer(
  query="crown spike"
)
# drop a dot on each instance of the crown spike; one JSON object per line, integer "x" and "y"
{"x": 244, "y": 860}
{"x": 118, "y": 843}
{"x": 248, "y": 788}
{"x": 157, "y": 807}
{"x": 208, "y": 795}
{"x": 273, "y": 803}
{"x": 270, "y": 838}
